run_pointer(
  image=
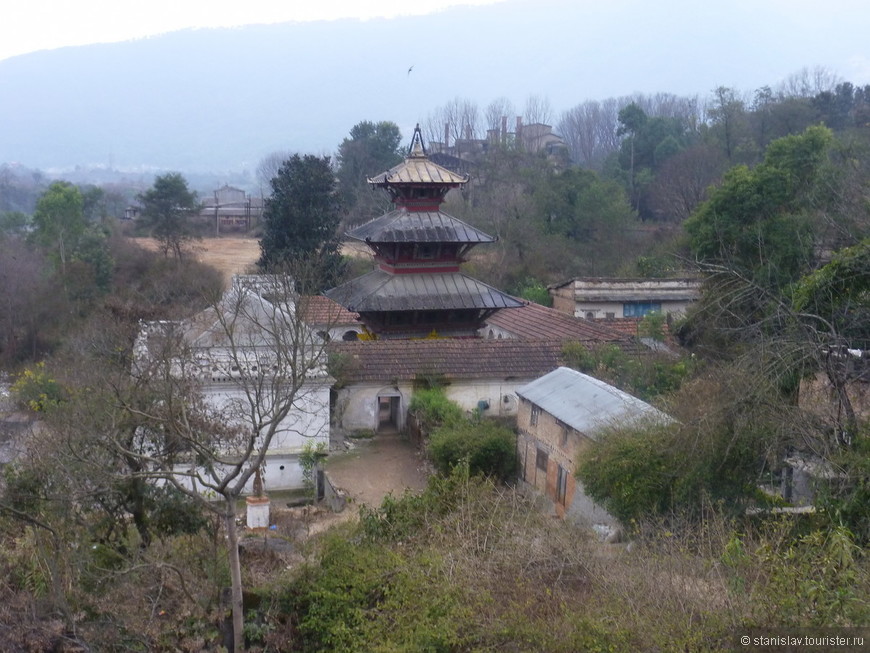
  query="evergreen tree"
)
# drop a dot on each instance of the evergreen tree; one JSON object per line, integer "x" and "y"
{"x": 166, "y": 209}
{"x": 301, "y": 219}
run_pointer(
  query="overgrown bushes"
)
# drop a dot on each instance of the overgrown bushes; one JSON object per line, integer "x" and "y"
{"x": 488, "y": 447}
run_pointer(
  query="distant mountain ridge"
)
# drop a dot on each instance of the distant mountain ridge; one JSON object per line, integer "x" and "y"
{"x": 220, "y": 99}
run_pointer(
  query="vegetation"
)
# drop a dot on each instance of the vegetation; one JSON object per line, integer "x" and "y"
{"x": 770, "y": 204}
{"x": 301, "y": 220}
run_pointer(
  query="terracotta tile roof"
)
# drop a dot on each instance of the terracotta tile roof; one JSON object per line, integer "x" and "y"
{"x": 626, "y": 325}
{"x": 404, "y": 360}
{"x": 536, "y": 322}
{"x": 318, "y": 309}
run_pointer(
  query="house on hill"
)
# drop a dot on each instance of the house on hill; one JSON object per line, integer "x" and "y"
{"x": 559, "y": 416}
{"x": 259, "y": 369}
{"x": 375, "y": 380}
{"x": 599, "y": 298}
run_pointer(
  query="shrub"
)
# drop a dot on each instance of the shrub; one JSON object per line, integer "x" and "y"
{"x": 487, "y": 446}
{"x": 432, "y": 408}
{"x": 37, "y": 390}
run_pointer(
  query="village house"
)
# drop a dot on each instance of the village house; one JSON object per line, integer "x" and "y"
{"x": 600, "y": 298}
{"x": 231, "y": 209}
{"x": 245, "y": 355}
{"x": 376, "y": 380}
{"x": 559, "y": 416}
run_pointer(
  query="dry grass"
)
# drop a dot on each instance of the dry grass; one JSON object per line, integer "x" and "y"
{"x": 235, "y": 255}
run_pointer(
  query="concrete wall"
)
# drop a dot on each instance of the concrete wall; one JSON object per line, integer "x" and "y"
{"x": 356, "y": 406}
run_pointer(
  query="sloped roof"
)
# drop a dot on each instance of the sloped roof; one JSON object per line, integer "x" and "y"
{"x": 403, "y": 226}
{"x": 317, "y": 309}
{"x": 533, "y": 321}
{"x": 587, "y": 404}
{"x": 382, "y": 291}
{"x": 405, "y": 360}
{"x": 418, "y": 169}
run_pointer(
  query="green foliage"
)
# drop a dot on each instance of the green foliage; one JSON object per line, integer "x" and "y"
{"x": 38, "y": 390}
{"x": 839, "y": 293}
{"x": 758, "y": 222}
{"x": 816, "y": 581}
{"x": 432, "y": 408}
{"x": 370, "y": 148}
{"x": 646, "y": 376}
{"x": 166, "y": 210}
{"x": 59, "y": 220}
{"x": 311, "y": 454}
{"x": 845, "y": 498}
{"x": 14, "y": 222}
{"x": 488, "y": 447}
{"x": 534, "y": 290}
{"x": 173, "y": 513}
{"x": 301, "y": 219}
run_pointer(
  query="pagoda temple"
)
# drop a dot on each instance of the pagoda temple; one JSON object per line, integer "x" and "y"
{"x": 417, "y": 289}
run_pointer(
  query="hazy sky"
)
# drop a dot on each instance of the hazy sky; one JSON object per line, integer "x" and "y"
{"x": 47, "y": 24}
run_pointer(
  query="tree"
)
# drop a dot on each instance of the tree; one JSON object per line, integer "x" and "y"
{"x": 166, "y": 209}
{"x": 59, "y": 221}
{"x": 301, "y": 219}
{"x": 268, "y": 169}
{"x": 758, "y": 222}
{"x": 370, "y": 149}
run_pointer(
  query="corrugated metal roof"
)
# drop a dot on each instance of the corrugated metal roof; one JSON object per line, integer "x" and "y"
{"x": 418, "y": 169}
{"x": 587, "y": 404}
{"x": 403, "y": 226}
{"x": 404, "y": 360}
{"x": 382, "y": 291}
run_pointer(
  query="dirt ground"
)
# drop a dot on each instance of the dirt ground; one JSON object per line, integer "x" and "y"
{"x": 376, "y": 467}
{"x": 237, "y": 254}
{"x": 230, "y": 255}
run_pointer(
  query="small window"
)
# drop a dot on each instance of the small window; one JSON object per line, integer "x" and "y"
{"x": 561, "y": 484}
{"x": 640, "y": 309}
{"x": 590, "y": 315}
{"x": 533, "y": 418}
{"x": 541, "y": 460}
{"x": 350, "y": 336}
{"x": 610, "y": 316}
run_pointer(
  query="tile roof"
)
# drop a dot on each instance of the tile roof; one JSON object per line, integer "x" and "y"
{"x": 318, "y": 309}
{"x": 404, "y": 360}
{"x": 382, "y": 291}
{"x": 533, "y": 321}
{"x": 403, "y": 226}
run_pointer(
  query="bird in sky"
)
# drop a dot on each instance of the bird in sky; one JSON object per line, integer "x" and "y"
{"x": 410, "y": 69}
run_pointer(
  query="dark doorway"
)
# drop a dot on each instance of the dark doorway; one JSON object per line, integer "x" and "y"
{"x": 388, "y": 413}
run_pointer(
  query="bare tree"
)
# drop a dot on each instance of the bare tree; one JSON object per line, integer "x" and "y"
{"x": 590, "y": 130}
{"x": 244, "y": 376}
{"x": 267, "y": 169}
{"x": 497, "y": 114}
{"x": 457, "y": 120}
{"x": 808, "y": 82}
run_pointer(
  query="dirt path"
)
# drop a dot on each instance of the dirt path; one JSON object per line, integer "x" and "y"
{"x": 374, "y": 468}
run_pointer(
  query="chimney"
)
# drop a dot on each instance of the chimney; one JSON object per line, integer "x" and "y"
{"x": 504, "y": 129}
{"x": 446, "y": 134}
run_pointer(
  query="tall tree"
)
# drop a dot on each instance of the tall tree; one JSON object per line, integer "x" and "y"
{"x": 59, "y": 220}
{"x": 166, "y": 209}
{"x": 301, "y": 219}
{"x": 369, "y": 149}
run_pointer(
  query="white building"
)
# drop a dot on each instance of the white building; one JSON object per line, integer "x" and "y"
{"x": 258, "y": 368}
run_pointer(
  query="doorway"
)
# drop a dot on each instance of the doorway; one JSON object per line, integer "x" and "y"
{"x": 388, "y": 413}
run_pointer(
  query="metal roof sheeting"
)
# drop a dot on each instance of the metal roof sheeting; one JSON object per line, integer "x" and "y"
{"x": 587, "y": 404}
{"x": 382, "y": 291}
{"x": 418, "y": 169}
{"x": 403, "y": 226}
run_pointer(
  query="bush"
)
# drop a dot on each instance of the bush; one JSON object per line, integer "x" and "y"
{"x": 487, "y": 446}
{"x": 432, "y": 408}
{"x": 37, "y": 390}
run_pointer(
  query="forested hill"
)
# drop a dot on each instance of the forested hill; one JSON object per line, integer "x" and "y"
{"x": 221, "y": 99}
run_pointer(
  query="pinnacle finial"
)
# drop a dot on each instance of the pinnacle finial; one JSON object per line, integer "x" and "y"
{"x": 417, "y": 148}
